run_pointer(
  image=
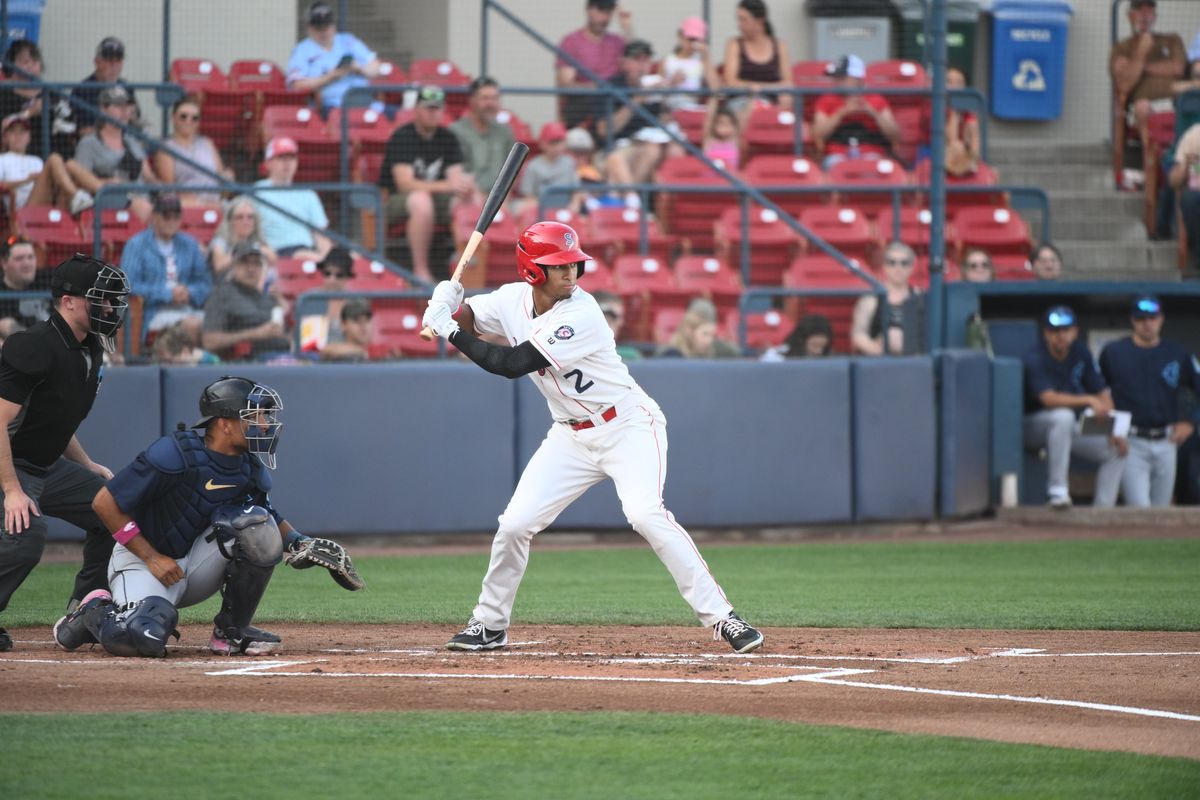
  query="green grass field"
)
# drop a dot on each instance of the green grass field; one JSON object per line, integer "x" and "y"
{"x": 1139, "y": 584}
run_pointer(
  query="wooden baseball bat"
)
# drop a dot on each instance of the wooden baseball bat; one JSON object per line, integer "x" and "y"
{"x": 491, "y": 206}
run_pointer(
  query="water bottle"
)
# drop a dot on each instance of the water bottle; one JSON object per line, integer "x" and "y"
{"x": 854, "y": 151}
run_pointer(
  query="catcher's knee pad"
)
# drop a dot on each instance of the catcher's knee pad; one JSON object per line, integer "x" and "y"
{"x": 140, "y": 629}
{"x": 247, "y": 533}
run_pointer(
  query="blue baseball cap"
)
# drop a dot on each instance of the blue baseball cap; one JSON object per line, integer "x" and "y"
{"x": 1058, "y": 317}
{"x": 1146, "y": 305}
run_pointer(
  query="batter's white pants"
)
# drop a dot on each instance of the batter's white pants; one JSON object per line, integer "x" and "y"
{"x": 632, "y": 450}
{"x": 1149, "y": 477}
{"x": 1055, "y": 429}
{"x": 130, "y": 580}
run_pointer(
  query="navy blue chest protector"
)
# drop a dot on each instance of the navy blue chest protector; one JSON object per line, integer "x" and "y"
{"x": 198, "y": 484}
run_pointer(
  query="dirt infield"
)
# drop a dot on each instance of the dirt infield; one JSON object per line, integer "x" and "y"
{"x": 1104, "y": 690}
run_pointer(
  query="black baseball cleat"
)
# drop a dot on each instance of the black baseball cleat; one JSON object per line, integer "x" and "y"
{"x": 5, "y": 641}
{"x": 477, "y": 637}
{"x": 742, "y": 637}
{"x": 252, "y": 642}
{"x": 74, "y": 630}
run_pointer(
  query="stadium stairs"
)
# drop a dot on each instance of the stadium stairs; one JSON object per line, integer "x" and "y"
{"x": 1098, "y": 230}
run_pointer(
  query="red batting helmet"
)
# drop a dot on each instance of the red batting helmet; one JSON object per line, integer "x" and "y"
{"x": 547, "y": 244}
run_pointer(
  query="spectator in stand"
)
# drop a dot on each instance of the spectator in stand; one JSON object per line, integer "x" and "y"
{"x": 613, "y": 308}
{"x": 167, "y": 269}
{"x": 853, "y": 125}
{"x": 109, "y": 62}
{"x": 696, "y": 336}
{"x": 287, "y": 237}
{"x": 240, "y": 319}
{"x": 962, "y": 132}
{"x": 1184, "y": 178}
{"x": 423, "y": 170}
{"x": 871, "y": 321}
{"x": 21, "y": 274}
{"x": 1147, "y": 375}
{"x": 175, "y": 345}
{"x": 187, "y": 141}
{"x": 1046, "y": 262}
{"x": 811, "y": 338}
{"x": 582, "y": 149}
{"x": 322, "y": 329}
{"x": 107, "y": 155}
{"x": 722, "y": 140}
{"x": 689, "y": 66}
{"x": 1061, "y": 380}
{"x": 977, "y": 266}
{"x": 599, "y": 52}
{"x": 240, "y": 223}
{"x": 26, "y": 58}
{"x": 30, "y": 181}
{"x": 484, "y": 141}
{"x": 1145, "y": 66}
{"x": 639, "y": 145}
{"x": 330, "y": 63}
{"x": 756, "y": 60}
{"x": 551, "y": 167}
{"x": 355, "y": 316}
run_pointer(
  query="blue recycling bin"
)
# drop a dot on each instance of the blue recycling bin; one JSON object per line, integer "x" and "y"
{"x": 25, "y": 19}
{"x": 1029, "y": 58}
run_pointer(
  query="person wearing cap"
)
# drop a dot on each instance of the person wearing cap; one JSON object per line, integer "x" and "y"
{"x": 485, "y": 142}
{"x": 1144, "y": 67}
{"x": 853, "y": 125}
{"x": 1062, "y": 381}
{"x": 330, "y": 63}
{"x": 24, "y": 65}
{"x": 597, "y": 51}
{"x": 290, "y": 238}
{"x": 240, "y": 319}
{"x": 1183, "y": 178}
{"x": 21, "y": 274}
{"x": 26, "y": 179}
{"x": 49, "y": 377}
{"x": 756, "y": 60}
{"x": 168, "y": 270}
{"x": 551, "y": 167}
{"x": 109, "y": 63}
{"x": 107, "y": 155}
{"x": 355, "y": 317}
{"x": 688, "y": 66}
{"x": 423, "y": 173}
{"x": 317, "y": 330}
{"x": 1147, "y": 375}
{"x": 639, "y": 145}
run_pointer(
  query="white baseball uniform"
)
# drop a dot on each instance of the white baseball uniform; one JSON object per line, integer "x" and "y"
{"x": 627, "y": 441}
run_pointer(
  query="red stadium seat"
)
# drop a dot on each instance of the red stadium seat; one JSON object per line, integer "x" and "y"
{"x": 368, "y": 130}
{"x": 914, "y": 229}
{"x": 899, "y": 74}
{"x": 691, "y": 215}
{"x": 983, "y": 176}
{"x": 227, "y": 109}
{"x": 613, "y": 231}
{"x": 54, "y": 233}
{"x": 998, "y": 231}
{"x": 821, "y": 272}
{"x": 765, "y": 172}
{"x": 597, "y": 277}
{"x": 268, "y": 82}
{"x": 445, "y": 74}
{"x": 521, "y": 130}
{"x": 872, "y": 172}
{"x": 319, "y": 152}
{"x": 646, "y": 283}
{"x": 766, "y": 329}
{"x": 198, "y": 75}
{"x": 1012, "y": 267}
{"x": 773, "y": 243}
{"x": 691, "y": 122}
{"x": 390, "y": 74}
{"x": 707, "y": 276}
{"x": 397, "y": 327}
{"x": 811, "y": 75}
{"x": 200, "y": 222}
{"x": 843, "y": 228}
{"x": 494, "y": 262}
{"x": 529, "y": 215}
{"x": 297, "y": 276}
{"x": 117, "y": 227}
{"x": 771, "y": 130}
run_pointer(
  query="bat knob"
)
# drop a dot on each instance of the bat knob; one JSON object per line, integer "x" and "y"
{"x": 427, "y": 334}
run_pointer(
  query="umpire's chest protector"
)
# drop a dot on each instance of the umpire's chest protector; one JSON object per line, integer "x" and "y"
{"x": 195, "y": 484}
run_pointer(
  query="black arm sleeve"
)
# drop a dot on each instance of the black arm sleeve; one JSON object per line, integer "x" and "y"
{"x": 499, "y": 359}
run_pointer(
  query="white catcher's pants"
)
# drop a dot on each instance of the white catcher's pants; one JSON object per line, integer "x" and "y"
{"x": 632, "y": 450}
{"x": 203, "y": 576}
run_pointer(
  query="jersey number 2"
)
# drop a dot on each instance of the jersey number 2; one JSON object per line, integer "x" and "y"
{"x": 580, "y": 386}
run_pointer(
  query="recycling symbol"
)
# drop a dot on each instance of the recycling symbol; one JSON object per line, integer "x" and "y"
{"x": 1029, "y": 77}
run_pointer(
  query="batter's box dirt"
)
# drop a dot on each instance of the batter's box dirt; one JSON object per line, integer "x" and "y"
{"x": 1135, "y": 691}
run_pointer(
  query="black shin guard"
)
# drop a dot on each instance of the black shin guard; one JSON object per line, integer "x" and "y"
{"x": 141, "y": 629}
{"x": 245, "y": 584}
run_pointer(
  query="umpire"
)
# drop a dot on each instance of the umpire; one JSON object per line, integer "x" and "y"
{"x": 49, "y": 376}
{"x": 1147, "y": 374}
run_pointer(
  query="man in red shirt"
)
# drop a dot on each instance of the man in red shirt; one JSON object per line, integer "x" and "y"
{"x": 597, "y": 50}
{"x": 853, "y": 125}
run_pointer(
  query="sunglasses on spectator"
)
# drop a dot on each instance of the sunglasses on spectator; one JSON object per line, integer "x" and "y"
{"x": 243, "y": 215}
{"x": 978, "y": 265}
{"x": 190, "y": 117}
{"x": 898, "y": 262}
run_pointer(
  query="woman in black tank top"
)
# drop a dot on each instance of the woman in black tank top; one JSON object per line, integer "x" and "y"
{"x": 875, "y": 322}
{"x": 756, "y": 60}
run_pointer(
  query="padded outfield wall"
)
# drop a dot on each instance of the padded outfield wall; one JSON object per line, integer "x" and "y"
{"x": 437, "y": 447}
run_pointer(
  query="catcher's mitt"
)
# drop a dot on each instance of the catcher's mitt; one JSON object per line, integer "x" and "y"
{"x": 325, "y": 553}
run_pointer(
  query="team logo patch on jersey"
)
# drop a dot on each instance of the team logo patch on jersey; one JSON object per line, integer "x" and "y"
{"x": 564, "y": 332}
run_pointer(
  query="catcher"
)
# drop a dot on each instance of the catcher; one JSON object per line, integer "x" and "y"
{"x": 191, "y": 516}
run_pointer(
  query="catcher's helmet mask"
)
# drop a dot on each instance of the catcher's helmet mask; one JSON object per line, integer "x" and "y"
{"x": 257, "y": 406}
{"x": 547, "y": 244}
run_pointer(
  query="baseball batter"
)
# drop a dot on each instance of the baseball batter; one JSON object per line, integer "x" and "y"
{"x": 604, "y": 426}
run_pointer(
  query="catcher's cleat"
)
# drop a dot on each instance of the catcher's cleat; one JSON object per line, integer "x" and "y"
{"x": 73, "y": 631}
{"x": 477, "y": 637}
{"x": 253, "y": 642}
{"x": 742, "y": 637}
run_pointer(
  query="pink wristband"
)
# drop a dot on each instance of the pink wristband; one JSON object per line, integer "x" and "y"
{"x": 127, "y": 533}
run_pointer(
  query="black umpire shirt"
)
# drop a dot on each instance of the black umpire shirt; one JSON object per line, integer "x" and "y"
{"x": 54, "y": 378}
